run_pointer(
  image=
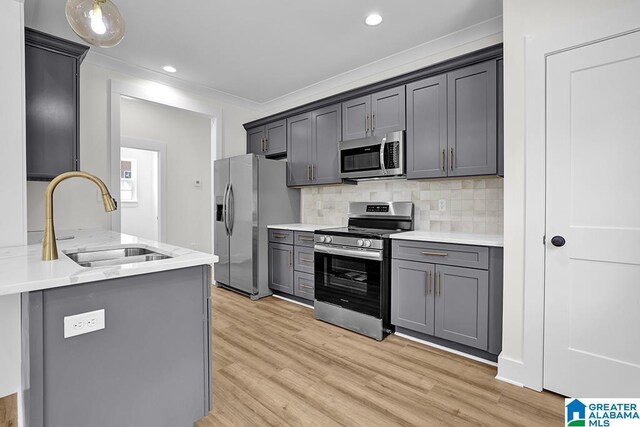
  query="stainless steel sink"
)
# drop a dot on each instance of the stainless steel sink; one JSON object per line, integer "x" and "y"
{"x": 120, "y": 256}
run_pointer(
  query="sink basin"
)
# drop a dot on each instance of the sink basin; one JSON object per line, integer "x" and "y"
{"x": 108, "y": 257}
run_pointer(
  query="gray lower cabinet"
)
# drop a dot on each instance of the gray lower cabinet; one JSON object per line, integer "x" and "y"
{"x": 412, "y": 295}
{"x": 452, "y": 123}
{"x": 441, "y": 296}
{"x": 462, "y": 305}
{"x": 291, "y": 264}
{"x": 269, "y": 140}
{"x": 149, "y": 366}
{"x": 281, "y": 267}
{"x": 312, "y": 154}
{"x": 376, "y": 114}
{"x": 52, "y": 85}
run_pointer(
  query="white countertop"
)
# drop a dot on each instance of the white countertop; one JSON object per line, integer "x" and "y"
{"x": 302, "y": 227}
{"x": 495, "y": 240}
{"x": 22, "y": 270}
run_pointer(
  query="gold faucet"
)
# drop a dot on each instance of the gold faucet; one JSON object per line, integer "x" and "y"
{"x": 49, "y": 246}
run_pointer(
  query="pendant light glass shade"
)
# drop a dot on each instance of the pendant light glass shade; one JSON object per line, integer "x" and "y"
{"x": 97, "y": 22}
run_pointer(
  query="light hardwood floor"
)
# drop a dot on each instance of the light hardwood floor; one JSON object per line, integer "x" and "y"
{"x": 274, "y": 364}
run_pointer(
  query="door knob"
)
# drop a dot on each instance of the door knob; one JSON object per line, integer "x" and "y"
{"x": 558, "y": 241}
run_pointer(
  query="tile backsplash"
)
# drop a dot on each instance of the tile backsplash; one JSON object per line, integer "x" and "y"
{"x": 474, "y": 205}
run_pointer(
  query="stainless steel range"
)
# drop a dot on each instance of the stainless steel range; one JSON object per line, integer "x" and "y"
{"x": 353, "y": 267}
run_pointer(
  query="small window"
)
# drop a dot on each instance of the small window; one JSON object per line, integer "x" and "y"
{"x": 128, "y": 181}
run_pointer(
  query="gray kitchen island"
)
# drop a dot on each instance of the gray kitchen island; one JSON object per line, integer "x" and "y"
{"x": 115, "y": 332}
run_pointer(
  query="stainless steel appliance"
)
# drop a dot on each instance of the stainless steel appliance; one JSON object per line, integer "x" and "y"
{"x": 353, "y": 267}
{"x": 373, "y": 157}
{"x": 250, "y": 193}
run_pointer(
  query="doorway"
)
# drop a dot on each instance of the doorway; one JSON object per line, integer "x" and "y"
{"x": 140, "y": 191}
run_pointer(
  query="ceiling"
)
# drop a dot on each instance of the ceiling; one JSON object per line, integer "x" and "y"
{"x": 261, "y": 50}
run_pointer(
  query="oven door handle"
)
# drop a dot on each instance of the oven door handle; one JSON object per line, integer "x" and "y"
{"x": 353, "y": 253}
{"x": 382, "y": 166}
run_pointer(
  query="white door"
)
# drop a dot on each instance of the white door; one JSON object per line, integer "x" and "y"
{"x": 592, "y": 285}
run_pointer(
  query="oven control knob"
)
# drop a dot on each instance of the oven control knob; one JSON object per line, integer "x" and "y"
{"x": 327, "y": 239}
{"x": 322, "y": 239}
{"x": 367, "y": 243}
{"x": 360, "y": 242}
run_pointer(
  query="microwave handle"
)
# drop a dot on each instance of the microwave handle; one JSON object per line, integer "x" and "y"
{"x": 382, "y": 145}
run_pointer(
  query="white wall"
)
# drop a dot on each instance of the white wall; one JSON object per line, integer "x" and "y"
{"x": 12, "y": 184}
{"x": 140, "y": 217}
{"x": 76, "y": 202}
{"x": 524, "y": 18}
{"x": 188, "y": 141}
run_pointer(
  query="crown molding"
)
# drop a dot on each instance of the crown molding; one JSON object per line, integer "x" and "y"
{"x": 124, "y": 67}
{"x": 481, "y": 35}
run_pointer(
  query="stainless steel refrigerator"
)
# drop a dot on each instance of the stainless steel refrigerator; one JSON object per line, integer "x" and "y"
{"x": 250, "y": 193}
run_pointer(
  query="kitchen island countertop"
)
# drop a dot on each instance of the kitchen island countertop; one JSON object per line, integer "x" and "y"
{"x": 22, "y": 269}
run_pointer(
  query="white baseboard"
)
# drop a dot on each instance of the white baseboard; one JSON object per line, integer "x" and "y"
{"x": 447, "y": 349}
{"x": 508, "y": 381}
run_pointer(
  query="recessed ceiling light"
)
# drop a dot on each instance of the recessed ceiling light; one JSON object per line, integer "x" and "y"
{"x": 169, "y": 69}
{"x": 373, "y": 19}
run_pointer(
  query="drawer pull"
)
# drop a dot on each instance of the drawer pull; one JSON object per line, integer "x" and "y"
{"x": 306, "y": 239}
{"x": 280, "y": 236}
{"x": 306, "y": 259}
{"x": 435, "y": 254}
{"x": 306, "y": 286}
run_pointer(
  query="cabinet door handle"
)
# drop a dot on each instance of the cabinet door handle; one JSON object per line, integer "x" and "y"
{"x": 429, "y": 282}
{"x": 373, "y": 122}
{"x": 266, "y": 144}
{"x": 366, "y": 123}
{"x": 443, "y": 163}
{"x": 451, "y": 158}
{"x": 305, "y": 286}
{"x": 435, "y": 254}
{"x": 306, "y": 259}
{"x": 308, "y": 172}
{"x": 438, "y": 284}
{"x": 313, "y": 172}
{"x": 290, "y": 258}
{"x": 280, "y": 236}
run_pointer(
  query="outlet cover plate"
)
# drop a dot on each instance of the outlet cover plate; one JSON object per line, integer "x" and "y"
{"x": 83, "y": 323}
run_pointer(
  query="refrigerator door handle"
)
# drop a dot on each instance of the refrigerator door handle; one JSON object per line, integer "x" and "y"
{"x": 230, "y": 203}
{"x": 225, "y": 209}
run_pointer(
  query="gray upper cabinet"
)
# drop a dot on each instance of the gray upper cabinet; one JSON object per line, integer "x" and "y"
{"x": 388, "y": 111}
{"x": 52, "y": 83}
{"x": 281, "y": 267}
{"x": 299, "y": 150}
{"x": 313, "y": 147}
{"x": 412, "y": 295}
{"x": 500, "y": 117}
{"x": 356, "y": 114}
{"x": 462, "y": 305}
{"x": 269, "y": 140}
{"x": 255, "y": 140}
{"x": 326, "y": 125}
{"x": 472, "y": 130}
{"x": 427, "y": 128}
{"x": 376, "y": 114}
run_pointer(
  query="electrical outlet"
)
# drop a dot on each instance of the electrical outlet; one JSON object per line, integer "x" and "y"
{"x": 83, "y": 323}
{"x": 442, "y": 205}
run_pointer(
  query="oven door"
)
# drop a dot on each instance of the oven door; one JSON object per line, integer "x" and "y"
{"x": 350, "y": 278}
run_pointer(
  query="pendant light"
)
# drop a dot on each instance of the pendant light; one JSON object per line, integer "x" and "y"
{"x": 97, "y": 22}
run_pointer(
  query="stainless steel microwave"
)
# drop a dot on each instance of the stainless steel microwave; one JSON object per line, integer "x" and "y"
{"x": 373, "y": 157}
